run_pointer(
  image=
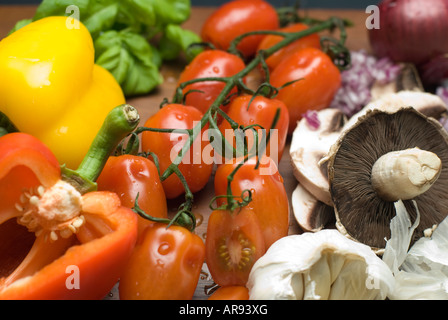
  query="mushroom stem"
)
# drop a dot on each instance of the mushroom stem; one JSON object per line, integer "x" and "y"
{"x": 405, "y": 174}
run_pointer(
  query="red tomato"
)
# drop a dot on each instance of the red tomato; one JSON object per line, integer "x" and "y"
{"x": 230, "y": 293}
{"x": 235, "y": 18}
{"x": 209, "y": 63}
{"x": 129, "y": 176}
{"x": 261, "y": 111}
{"x": 320, "y": 80}
{"x": 194, "y": 167}
{"x": 165, "y": 265}
{"x": 269, "y": 198}
{"x": 234, "y": 242}
{"x": 268, "y": 41}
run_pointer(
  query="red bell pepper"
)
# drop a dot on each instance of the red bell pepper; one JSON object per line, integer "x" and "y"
{"x": 58, "y": 238}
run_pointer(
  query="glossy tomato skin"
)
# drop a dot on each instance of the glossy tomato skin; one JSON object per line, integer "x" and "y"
{"x": 270, "y": 40}
{"x": 233, "y": 244}
{"x": 269, "y": 198}
{"x": 319, "y": 81}
{"x": 230, "y": 293}
{"x": 195, "y": 168}
{"x": 130, "y": 176}
{"x": 261, "y": 111}
{"x": 209, "y": 63}
{"x": 165, "y": 265}
{"x": 235, "y": 18}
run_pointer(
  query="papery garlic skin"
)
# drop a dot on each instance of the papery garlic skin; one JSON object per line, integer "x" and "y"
{"x": 421, "y": 272}
{"x": 324, "y": 265}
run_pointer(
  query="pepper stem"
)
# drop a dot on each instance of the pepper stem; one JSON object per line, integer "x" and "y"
{"x": 120, "y": 121}
{"x": 6, "y": 126}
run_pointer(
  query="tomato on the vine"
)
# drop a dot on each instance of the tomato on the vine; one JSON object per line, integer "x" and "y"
{"x": 235, "y": 18}
{"x": 318, "y": 80}
{"x": 233, "y": 244}
{"x": 194, "y": 167}
{"x": 165, "y": 265}
{"x": 313, "y": 40}
{"x": 130, "y": 176}
{"x": 269, "y": 198}
{"x": 248, "y": 110}
{"x": 209, "y": 63}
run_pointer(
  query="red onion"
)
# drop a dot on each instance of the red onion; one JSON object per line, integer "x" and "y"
{"x": 435, "y": 71}
{"x": 411, "y": 30}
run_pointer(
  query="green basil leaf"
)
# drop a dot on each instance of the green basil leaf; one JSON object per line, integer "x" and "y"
{"x": 143, "y": 78}
{"x": 144, "y": 75}
{"x": 175, "y": 40}
{"x": 58, "y": 8}
{"x": 135, "y": 12}
{"x": 130, "y": 59}
{"x": 20, "y": 24}
{"x": 117, "y": 60}
{"x": 102, "y": 19}
{"x": 171, "y": 11}
{"x": 140, "y": 47}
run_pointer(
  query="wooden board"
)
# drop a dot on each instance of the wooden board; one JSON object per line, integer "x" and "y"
{"x": 149, "y": 104}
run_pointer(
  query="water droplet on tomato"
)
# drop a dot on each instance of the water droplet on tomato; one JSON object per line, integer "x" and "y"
{"x": 164, "y": 248}
{"x": 199, "y": 218}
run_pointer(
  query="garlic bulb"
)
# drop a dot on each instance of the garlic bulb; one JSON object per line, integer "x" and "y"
{"x": 323, "y": 265}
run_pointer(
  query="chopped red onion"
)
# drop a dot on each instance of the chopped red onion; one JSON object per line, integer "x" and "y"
{"x": 312, "y": 119}
{"x": 357, "y": 81}
{"x": 442, "y": 92}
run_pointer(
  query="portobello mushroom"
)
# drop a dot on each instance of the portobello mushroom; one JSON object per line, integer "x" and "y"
{"x": 367, "y": 175}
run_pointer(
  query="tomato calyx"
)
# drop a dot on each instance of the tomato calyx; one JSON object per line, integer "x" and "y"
{"x": 232, "y": 204}
{"x": 336, "y": 49}
{"x": 183, "y": 218}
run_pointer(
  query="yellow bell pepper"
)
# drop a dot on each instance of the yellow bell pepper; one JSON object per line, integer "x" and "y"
{"x": 51, "y": 88}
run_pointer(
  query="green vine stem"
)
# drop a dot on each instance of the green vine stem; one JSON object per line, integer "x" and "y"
{"x": 183, "y": 218}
